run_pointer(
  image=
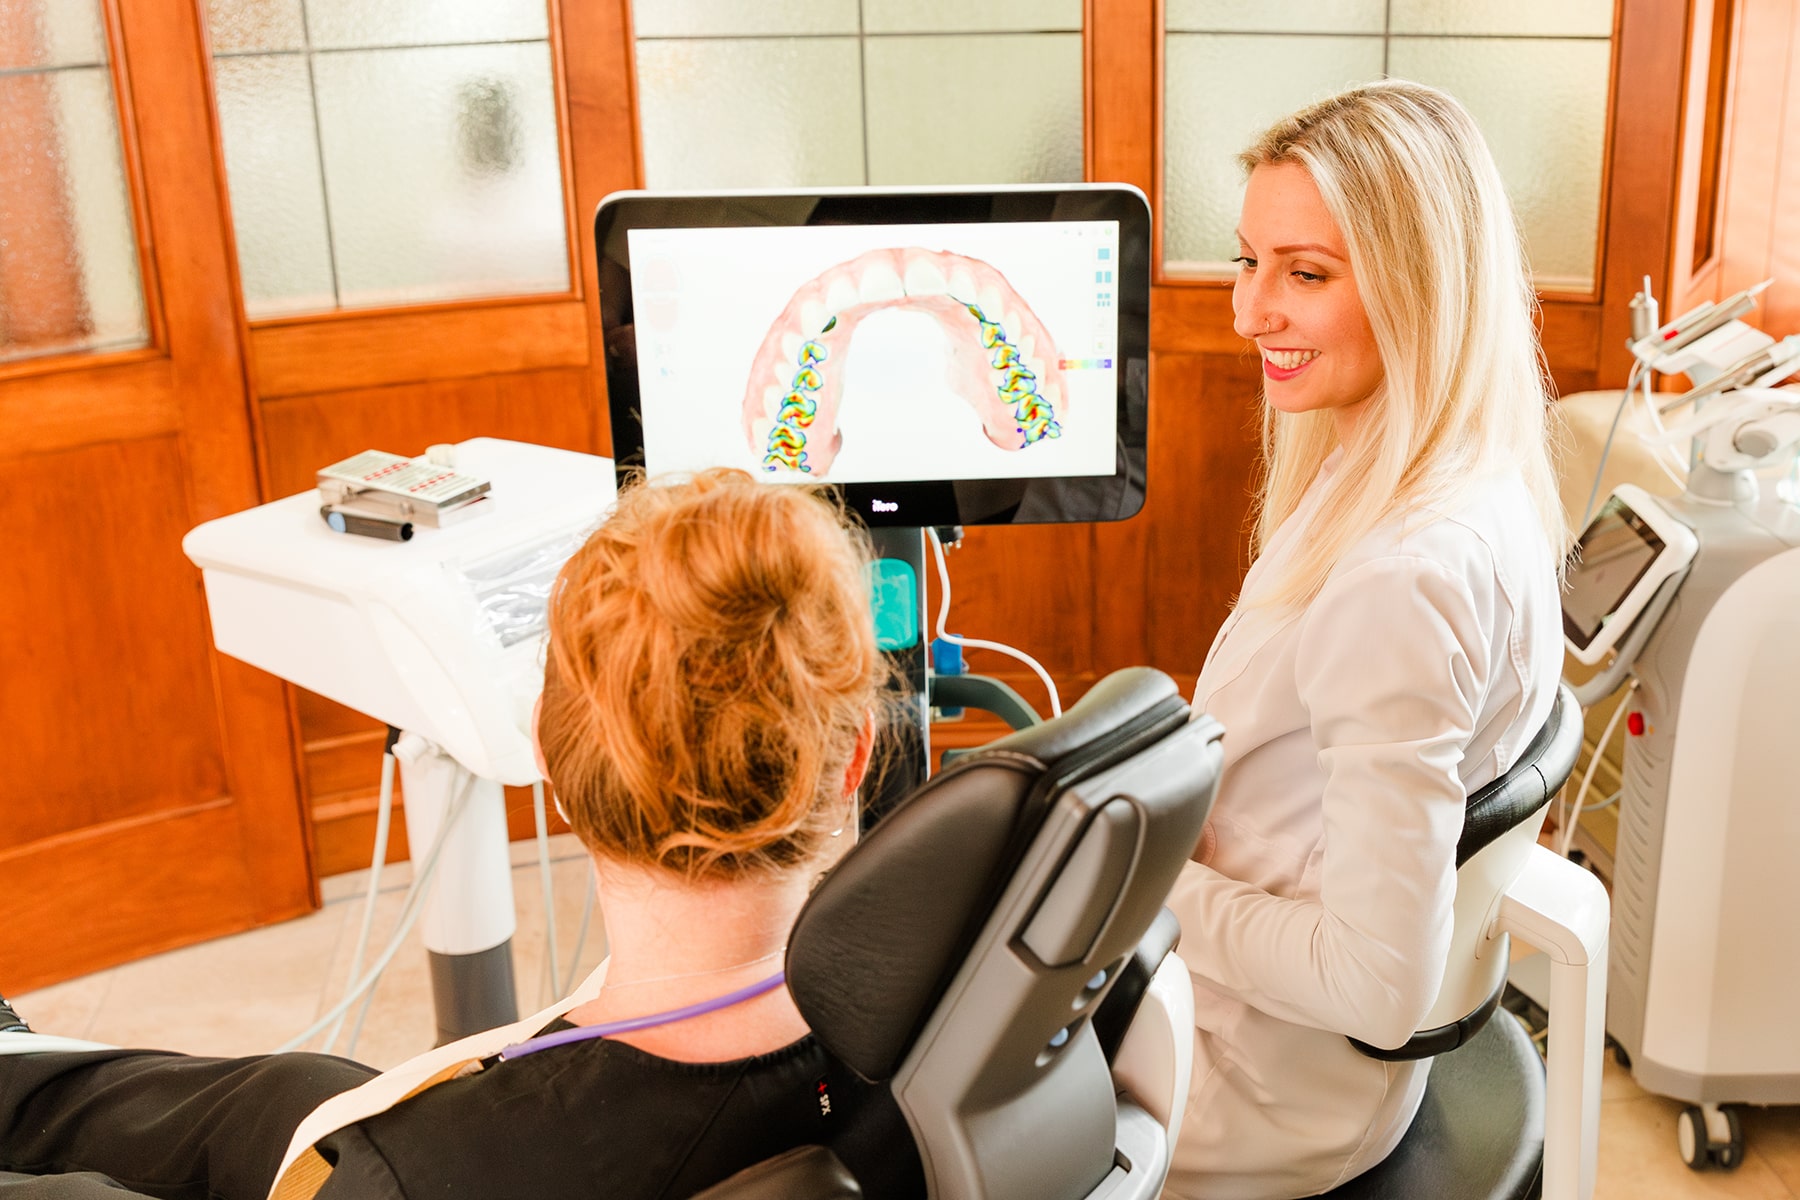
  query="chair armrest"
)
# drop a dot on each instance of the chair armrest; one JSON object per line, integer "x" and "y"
{"x": 1563, "y": 910}
{"x": 1155, "y": 1061}
{"x": 803, "y": 1173}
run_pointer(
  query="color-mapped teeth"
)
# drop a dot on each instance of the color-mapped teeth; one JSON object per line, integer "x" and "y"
{"x": 797, "y": 409}
{"x": 787, "y": 439}
{"x": 1018, "y": 383}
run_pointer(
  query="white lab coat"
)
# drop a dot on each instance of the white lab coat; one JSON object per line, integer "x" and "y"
{"x": 1321, "y": 902}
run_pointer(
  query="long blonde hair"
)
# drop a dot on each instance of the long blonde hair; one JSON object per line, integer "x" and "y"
{"x": 1436, "y": 257}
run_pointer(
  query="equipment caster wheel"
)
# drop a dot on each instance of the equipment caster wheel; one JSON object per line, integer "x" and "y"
{"x": 1710, "y": 1136}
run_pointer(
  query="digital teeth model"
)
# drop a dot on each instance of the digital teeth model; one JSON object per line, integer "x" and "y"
{"x": 1288, "y": 360}
{"x": 1014, "y": 382}
{"x": 787, "y": 440}
{"x": 1018, "y": 385}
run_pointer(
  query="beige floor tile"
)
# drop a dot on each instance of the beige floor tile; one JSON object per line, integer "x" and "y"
{"x": 67, "y": 1009}
{"x": 1638, "y": 1160}
{"x": 243, "y": 994}
{"x": 1773, "y": 1134}
{"x": 1616, "y": 1082}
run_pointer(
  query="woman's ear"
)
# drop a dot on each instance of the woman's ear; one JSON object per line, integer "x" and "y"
{"x": 860, "y": 754}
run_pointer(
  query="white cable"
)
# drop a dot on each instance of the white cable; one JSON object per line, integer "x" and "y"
{"x": 409, "y": 913}
{"x": 554, "y": 971}
{"x": 943, "y": 571}
{"x": 581, "y": 934}
{"x": 384, "y": 813}
{"x": 1587, "y": 778}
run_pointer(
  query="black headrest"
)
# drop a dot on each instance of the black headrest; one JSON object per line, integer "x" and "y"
{"x": 882, "y": 936}
{"x": 1529, "y": 783}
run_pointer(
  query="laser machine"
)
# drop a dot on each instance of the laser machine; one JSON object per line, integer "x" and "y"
{"x": 1698, "y": 598}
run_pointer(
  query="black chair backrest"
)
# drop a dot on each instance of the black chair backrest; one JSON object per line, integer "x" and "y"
{"x": 1528, "y": 784}
{"x": 960, "y": 950}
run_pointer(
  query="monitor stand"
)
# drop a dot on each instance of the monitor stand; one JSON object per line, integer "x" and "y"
{"x": 903, "y": 627}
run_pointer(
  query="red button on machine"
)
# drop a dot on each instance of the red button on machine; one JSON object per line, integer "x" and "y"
{"x": 1634, "y": 724}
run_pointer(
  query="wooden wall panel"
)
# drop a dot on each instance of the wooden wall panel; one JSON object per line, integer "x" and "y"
{"x": 108, "y": 625}
{"x": 354, "y": 350}
{"x": 304, "y": 433}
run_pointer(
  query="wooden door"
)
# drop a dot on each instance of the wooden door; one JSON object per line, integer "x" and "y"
{"x": 149, "y": 792}
{"x": 324, "y": 386}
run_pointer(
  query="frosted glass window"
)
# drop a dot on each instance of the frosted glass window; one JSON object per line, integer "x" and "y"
{"x": 959, "y": 16}
{"x": 68, "y": 247}
{"x": 736, "y": 18}
{"x": 917, "y": 89}
{"x": 1542, "y": 107}
{"x": 1222, "y": 90}
{"x": 1518, "y": 18}
{"x": 750, "y": 112}
{"x": 1534, "y": 74}
{"x": 393, "y": 153}
{"x": 277, "y": 190}
{"x": 816, "y": 93}
{"x": 1276, "y": 16}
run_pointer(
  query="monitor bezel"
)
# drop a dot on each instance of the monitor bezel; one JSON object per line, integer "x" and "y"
{"x": 913, "y": 502}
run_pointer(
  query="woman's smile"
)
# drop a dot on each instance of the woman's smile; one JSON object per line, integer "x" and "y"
{"x": 1282, "y": 365}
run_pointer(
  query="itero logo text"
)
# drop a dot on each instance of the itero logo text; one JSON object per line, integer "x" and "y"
{"x": 883, "y": 506}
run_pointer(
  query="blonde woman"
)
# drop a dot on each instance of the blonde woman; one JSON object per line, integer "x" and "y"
{"x": 1395, "y": 644}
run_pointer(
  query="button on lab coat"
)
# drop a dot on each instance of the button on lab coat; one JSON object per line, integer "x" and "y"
{"x": 1320, "y": 906}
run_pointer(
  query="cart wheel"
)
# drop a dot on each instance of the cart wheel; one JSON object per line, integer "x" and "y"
{"x": 1690, "y": 1138}
{"x": 1730, "y": 1155}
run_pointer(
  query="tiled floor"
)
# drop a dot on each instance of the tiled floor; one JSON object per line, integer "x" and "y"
{"x": 247, "y": 994}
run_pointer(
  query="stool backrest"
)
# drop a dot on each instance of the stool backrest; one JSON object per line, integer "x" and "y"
{"x": 1500, "y": 826}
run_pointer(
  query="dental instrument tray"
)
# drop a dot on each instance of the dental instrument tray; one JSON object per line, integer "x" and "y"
{"x": 393, "y": 487}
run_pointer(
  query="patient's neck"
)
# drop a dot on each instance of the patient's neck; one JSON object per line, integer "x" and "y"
{"x": 671, "y": 943}
{"x": 658, "y": 924}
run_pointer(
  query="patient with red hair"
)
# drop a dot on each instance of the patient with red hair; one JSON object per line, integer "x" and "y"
{"x": 707, "y": 718}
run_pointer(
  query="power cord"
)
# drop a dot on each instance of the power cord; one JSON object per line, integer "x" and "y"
{"x": 409, "y": 914}
{"x": 1575, "y": 810}
{"x": 384, "y": 813}
{"x": 943, "y": 572}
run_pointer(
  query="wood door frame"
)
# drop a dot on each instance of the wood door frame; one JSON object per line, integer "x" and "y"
{"x": 208, "y": 864}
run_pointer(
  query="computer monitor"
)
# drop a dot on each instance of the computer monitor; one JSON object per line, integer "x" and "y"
{"x": 944, "y": 356}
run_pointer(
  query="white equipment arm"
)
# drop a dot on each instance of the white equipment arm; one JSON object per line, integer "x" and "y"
{"x": 1563, "y": 910}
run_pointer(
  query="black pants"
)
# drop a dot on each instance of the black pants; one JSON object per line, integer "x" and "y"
{"x": 111, "y": 1124}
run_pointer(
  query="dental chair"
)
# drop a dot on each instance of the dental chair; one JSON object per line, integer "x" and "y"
{"x": 1489, "y": 1128}
{"x": 983, "y": 951}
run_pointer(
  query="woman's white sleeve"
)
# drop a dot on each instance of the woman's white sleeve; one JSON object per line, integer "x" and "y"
{"x": 1391, "y": 665}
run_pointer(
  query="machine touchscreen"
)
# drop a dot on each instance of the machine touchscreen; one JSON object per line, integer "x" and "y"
{"x": 1624, "y": 554}
{"x": 956, "y": 357}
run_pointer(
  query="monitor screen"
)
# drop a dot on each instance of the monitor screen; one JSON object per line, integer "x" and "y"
{"x": 942, "y": 357}
{"x": 1615, "y": 550}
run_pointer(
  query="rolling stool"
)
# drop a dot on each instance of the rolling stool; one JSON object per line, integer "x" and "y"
{"x": 1493, "y": 1124}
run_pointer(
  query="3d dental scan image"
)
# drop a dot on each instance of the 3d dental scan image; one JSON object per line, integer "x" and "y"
{"x": 875, "y": 353}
